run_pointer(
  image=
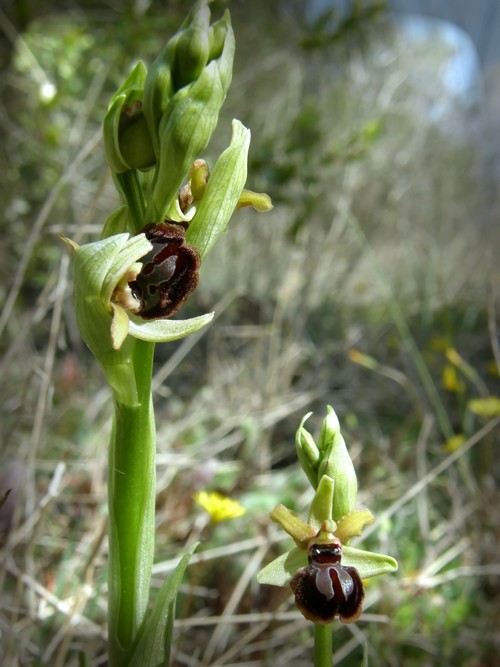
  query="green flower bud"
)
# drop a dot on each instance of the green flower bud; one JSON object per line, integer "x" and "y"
{"x": 182, "y": 62}
{"x": 307, "y": 452}
{"x": 337, "y": 464}
{"x": 127, "y": 141}
{"x": 192, "y": 48}
{"x": 186, "y": 125}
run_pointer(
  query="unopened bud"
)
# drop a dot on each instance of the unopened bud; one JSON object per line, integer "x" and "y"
{"x": 127, "y": 141}
{"x": 337, "y": 464}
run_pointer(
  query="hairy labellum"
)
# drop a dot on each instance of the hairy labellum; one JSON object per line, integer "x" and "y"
{"x": 325, "y": 588}
{"x": 169, "y": 272}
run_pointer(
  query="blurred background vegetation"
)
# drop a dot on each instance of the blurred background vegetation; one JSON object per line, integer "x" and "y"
{"x": 373, "y": 286}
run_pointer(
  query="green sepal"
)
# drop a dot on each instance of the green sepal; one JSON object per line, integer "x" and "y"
{"x": 222, "y": 193}
{"x": 280, "y": 571}
{"x": 367, "y": 563}
{"x": 165, "y": 331}
{"x": 153, "y": 649}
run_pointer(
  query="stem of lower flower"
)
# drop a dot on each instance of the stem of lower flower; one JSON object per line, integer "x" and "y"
{"x": 131, "y": 501}
{"x": 323, "y": 645}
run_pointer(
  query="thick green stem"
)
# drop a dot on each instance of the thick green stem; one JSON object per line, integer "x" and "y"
{"x": 323, "y": 645}
{"x": 131, "y": 501}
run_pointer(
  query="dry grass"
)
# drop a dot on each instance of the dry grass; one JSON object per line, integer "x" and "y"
{"x": 384, "y": 257}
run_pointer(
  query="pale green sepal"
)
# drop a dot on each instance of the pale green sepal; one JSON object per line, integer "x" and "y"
{"x": 367, "y": 563}
{"x": 116, "y": 223}
{"x": 154, "y": 645}
{"x": 163, "y": 331}
{"x": 322, "y": 503}
{"x": 92, "y": 263}
{"x": 280, "y": 571}
{"x": 222, "y": 193}
{"x": 337, "y": 464}
{"x": 307, "y": 452}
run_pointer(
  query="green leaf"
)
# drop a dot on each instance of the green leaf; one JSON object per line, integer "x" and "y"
{"x": 367, "y": 563}
{"x": 279, "y": 571}
{"x": 153, "y": 649}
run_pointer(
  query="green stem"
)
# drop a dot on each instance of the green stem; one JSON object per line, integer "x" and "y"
{"x": 131, "y": 501}
{"x": 129, "y": 185}
{"x": 323, "y": 645}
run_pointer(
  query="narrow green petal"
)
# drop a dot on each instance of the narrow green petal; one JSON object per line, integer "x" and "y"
{"x": 162, "y": 331}
{"x": 367, "y": 563}
{"x": 280, "y": 571}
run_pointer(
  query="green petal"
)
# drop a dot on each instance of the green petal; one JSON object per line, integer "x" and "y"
{"x": 163, "y": 331}
{"x": 280, "y": 571}
{"x": 367, "y": 563}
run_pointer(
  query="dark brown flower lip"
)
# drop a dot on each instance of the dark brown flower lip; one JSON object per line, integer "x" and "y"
{"x": 325, "y": 588}
{"x": 169, "y": 271}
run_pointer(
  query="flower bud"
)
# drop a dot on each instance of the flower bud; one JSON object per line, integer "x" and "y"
{"x": 127, "y": 141}
{"x": 184, "y": 127}
{"x": 337, "y": 464}
{"x": 181, "y": 64}
{"x": 192, "y": 48}
{"x": 307, "y": 452}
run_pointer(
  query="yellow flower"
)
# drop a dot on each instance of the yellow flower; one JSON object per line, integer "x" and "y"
{"x": 485, "y": 407}
{"x": 454, "y": 443}
{"x": 219, "y": 507}
{"x": 450, "y": 380}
